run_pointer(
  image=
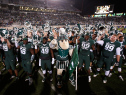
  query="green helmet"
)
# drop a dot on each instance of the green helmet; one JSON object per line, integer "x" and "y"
{"x": 4, "y": 33}
{"x": 20, "y": 32}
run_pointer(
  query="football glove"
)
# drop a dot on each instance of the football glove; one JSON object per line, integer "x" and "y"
{"x": 53, "y": 60}
{"x": 32, "y": 57}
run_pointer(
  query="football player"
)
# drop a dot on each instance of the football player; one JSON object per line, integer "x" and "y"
{"x": 110, "y": 47}
{"x": 84, "y": 55}
{"x": 123, "y": 45}
{"x": 10, "y": 58}
{"x": 44, "y": 52}
{"x": 26, "y": 49}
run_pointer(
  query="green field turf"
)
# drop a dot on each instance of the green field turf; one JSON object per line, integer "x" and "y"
{"x": 114, "y": 86}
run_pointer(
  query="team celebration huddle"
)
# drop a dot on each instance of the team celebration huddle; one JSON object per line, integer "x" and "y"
{"x": 67, "y": 49}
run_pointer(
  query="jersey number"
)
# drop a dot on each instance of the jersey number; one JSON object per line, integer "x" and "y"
{"x": 45, "y": 51}
{"x": 23, "y": 50}
{"x": 85, "y": 45}
{"x": 109, "y": 47}
{"x": 5, "y": 48}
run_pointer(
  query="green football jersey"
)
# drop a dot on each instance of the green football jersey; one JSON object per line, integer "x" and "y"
{"x": 109, "y": 48}
{"x": 25, "y": 50}
{"x": 44, "y": 51}
{"x": 85, "y": 46}
{"x": 9, "y": 53}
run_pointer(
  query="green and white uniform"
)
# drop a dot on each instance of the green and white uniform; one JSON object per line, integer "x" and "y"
{"x": 44, "y": 52}
{"x": 84, "y": 54}
{"x": 107, "y": 54}
{"x": 10, "y": 59}
{"x": 26, "y": 56}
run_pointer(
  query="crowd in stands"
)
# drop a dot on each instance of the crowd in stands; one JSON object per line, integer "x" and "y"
{"x": 8, "y": 18}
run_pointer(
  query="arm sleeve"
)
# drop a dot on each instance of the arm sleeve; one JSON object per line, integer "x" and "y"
{"x": 101, "y": 42}
{"x": 118, "y": 51}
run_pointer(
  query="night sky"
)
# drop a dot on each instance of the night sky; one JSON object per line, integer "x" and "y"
{"x": 88, "y": 6}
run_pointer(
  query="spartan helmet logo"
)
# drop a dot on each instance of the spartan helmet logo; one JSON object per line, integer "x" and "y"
{"x": 4, "y": 31}
{"x": 27, "y": 24}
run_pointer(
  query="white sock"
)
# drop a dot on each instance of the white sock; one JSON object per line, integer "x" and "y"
{"x": 119, "y": 69}
{"x": 107, "y": 73}
{"x": 111, "y": 67}
{"x": 44, "y": 72}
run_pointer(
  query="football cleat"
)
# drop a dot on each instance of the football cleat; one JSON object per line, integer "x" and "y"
{"x": 17, "y": 64}
{"x": 121, "y": 78}
{"x": 30, "y": 81}
{"x": 89, "y": 78}
{"x": 43, "y": 80}
{"x": 110, "y": 74}
{"x": 59, "y": 84}
{"x": 95, "y": 75}
{"x": 27, "y": 79}
{"x": 3, "y": 69}
{"x": 51, "y": 79}
{"x": 105, "y": 80}
{"x": 12, "y": 77}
